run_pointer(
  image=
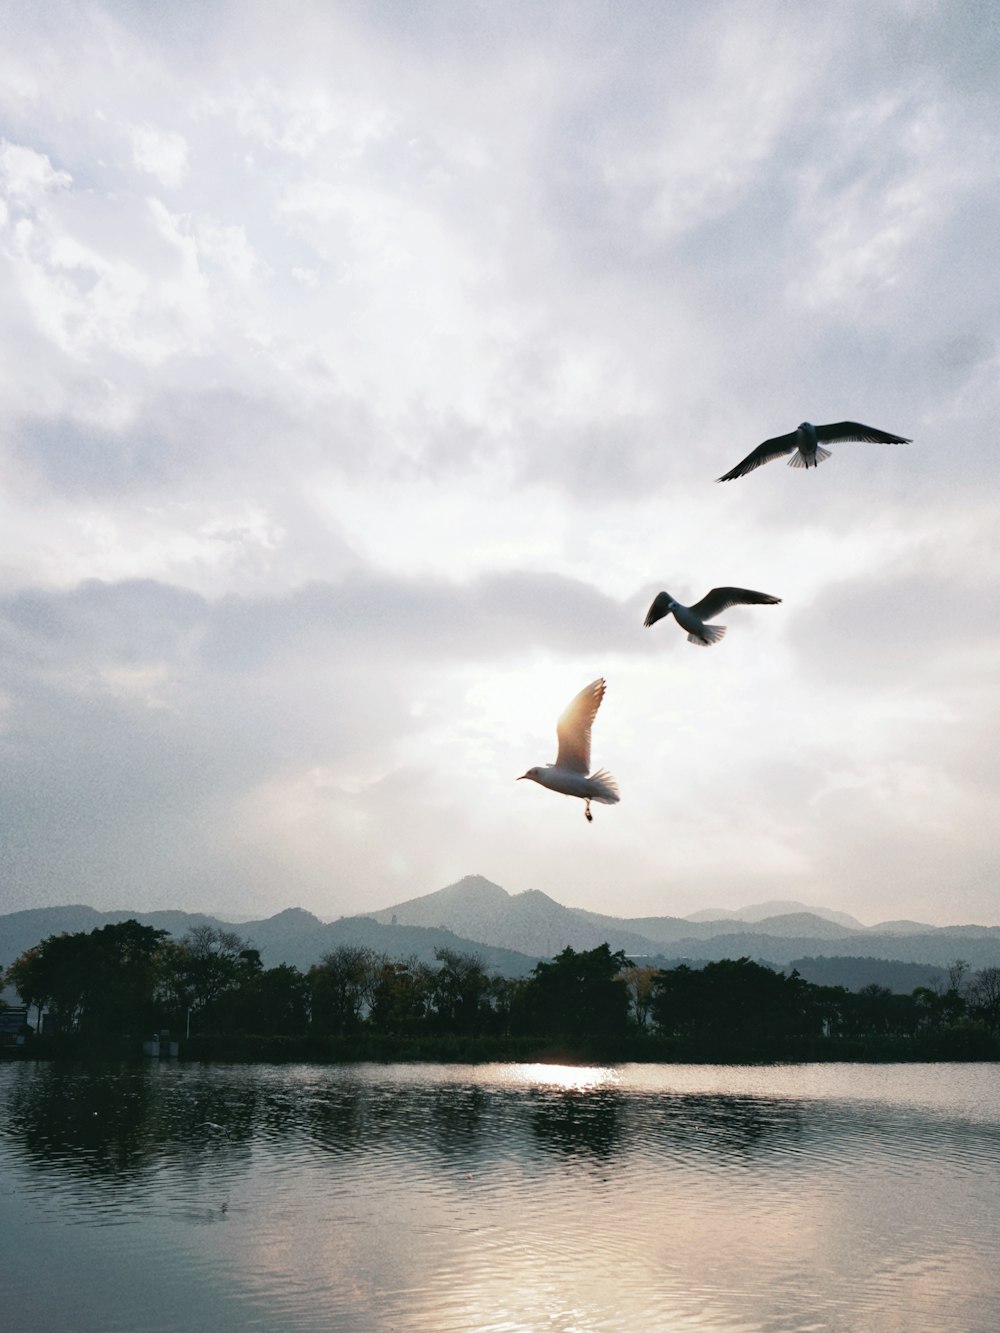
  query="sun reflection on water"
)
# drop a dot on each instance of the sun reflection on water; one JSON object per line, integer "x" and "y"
{"x": 575, "y": 1078}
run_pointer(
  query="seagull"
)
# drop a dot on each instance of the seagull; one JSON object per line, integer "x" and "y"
{"x": 569, "y": 773}
{"x": 805, "y": 444}
{"x": 692, "y": 618}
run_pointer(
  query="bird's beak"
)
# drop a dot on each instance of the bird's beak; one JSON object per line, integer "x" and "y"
{"x": 521, "y": 778}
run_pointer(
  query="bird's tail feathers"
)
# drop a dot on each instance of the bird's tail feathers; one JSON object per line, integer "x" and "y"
{"x": 799, "y": 460}
{"x": 710, "y": 634}
{"x": 607, "y": 791}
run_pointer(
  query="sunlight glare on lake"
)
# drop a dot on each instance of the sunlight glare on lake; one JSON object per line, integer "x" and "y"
{"x": 576, "y": 1078}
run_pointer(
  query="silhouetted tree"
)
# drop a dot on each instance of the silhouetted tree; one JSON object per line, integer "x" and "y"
{"x": 929, "y": 1008}
{"x": 30, "y": 977}
{"x": 274, "y": 1002}
{"x": 639, "y": 984}
{"x": 400, "y": 998}
{"x": 732, "y": 999}
{"x": 458, "y": 993}
{"x": 102, "y": 981}
{"x": 958, "y": 970}
{"x": 341, "y": 987}
{"x": 506, "y": 1000}
{"x": 832, "y": 1007}
{"x": 200, "y": 967}
{"x": 578, "y": 994}
{"x": 121, "y": 996}
{"x": 984, "y": 997}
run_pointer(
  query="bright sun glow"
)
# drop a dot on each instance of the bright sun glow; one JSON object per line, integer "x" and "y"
{"x": 574, "y": 1078}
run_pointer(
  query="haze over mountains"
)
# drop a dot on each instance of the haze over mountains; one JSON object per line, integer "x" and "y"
{"x": 511, "y": 932}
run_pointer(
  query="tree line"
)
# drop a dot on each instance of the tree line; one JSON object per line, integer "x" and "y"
{"x": 131, "y": 980}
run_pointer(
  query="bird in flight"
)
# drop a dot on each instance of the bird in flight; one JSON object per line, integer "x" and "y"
{"x": 692, "y": 618}
{"x": 805, "y": 444}
{"x": 569, "y": 774}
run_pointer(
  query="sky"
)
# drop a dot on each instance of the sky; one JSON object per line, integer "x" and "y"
{"x": 365, "y": 370}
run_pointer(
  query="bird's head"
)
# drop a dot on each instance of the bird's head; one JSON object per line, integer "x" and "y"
{"x": 532, "y": 773}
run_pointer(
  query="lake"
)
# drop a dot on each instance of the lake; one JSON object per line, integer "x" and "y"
{"x": 509, "y": 1198}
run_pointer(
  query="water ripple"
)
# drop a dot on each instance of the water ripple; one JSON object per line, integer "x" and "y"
{"x": 507, "y": 1197}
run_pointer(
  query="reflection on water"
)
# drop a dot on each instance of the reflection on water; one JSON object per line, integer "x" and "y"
{"x": 504, "y": 1197}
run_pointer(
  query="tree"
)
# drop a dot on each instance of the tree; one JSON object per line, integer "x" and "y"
{"x": 103, "y": 981}
{"x": 458, "y": 993}
{"x": 274, "y": 1002}
{"x": 638, "y": 982}
{"x": 957, "y": 970}
{"x": 29, "y": 977}
{"x": 733, "y": 999}
{"x": 120, "y": 997}
{"x": 984, "y": 997}
{"x": 578, "y": 994}
{"x": 506, "y": 998}
{"x": 400, "y": 998}
{"x": 341, "y": 987}
{"x": 934, "y": 1007}
{"x": 200, "y": 967}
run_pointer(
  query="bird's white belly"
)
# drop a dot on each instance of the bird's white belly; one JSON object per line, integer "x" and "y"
{"x": 562, "y": 780}
{"x": 687, "y": 619}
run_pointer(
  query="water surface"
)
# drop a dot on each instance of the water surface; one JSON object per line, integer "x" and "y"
{"x": 431, "y": 1199}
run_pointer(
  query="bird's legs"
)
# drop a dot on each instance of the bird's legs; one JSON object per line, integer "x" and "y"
{"x": 586, "y": 810}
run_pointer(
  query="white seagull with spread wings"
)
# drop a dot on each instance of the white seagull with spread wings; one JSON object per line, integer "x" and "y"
{"x": 692, "y": 618}
{"x": 805, "y": 444}
{"x": 569, "y": 774}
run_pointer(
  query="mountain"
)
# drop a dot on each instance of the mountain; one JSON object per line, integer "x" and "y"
{"x": 536, "y": 924}
{"x": 530, "y": 922}
{"x": 671, "y": 929}
{"x": 937, "y": 949}
{"x": 901, "y": 928}
{"x": 511, "y": 932}
{"x": 293, "y": 936}
{"x": 22, "y": 930}
{"x": 776, "y": 907}
{"x": 856, "y": 973}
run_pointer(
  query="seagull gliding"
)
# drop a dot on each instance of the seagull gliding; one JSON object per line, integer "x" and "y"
{"x": 805, "y": 444}
{"x": 692, "y": 618}
{"x": 569, "y": 773}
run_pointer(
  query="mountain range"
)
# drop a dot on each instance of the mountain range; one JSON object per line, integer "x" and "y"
{"x": 511, "y": 932}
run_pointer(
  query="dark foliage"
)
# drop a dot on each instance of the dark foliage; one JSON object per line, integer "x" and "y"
{"x": 126, "y": 981}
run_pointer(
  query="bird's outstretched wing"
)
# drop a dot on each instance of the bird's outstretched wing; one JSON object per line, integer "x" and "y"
{"x": 573, "y": 728}
{"x": 781, "y": 444}
{"x": 721, "y": 599}
{"x": 843, "y": 431}
{"x": 659, "y": 608}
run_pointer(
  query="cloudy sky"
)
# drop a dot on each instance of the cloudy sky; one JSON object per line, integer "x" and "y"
{"x": 364, "y": 372}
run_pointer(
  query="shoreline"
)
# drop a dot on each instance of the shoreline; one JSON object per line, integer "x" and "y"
{"x": 949, "y": 1045}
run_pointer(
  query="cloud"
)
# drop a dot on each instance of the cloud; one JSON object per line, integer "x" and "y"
{"x": 363, "y": 377}
{"x": 899, "y": 630}
{"x": 161, "y": 153}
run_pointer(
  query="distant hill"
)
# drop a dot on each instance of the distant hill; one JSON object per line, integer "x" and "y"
{"x": 536, "y": 924}
{"x": 851, "y": 973}
{"x": 22, "y": 930}
{"x": 671, "y": 929}
{"x": 901, "y": 928}
{"x": 855, "y": 973}
{"x": 776, "y": 907}
{"x": 293, "y": 936}
{"x": 511, "y": 932}
{"x": 937, "y": 949}
{"x": 530, "y": 922}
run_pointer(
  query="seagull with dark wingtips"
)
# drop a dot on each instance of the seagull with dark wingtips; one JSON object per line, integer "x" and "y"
{"x": 692, "y": 618}
{"x": 805, "y": 444}
{"x": 569, "y": 774}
